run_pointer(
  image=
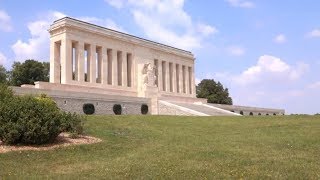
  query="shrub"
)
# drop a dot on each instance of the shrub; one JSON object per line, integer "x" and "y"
{"x": 29, "y": 120}
{"x": 241, "y": 112}
{"x": 72, "y": 123}
{"x": 5, "y": 93}
{"x": 144, "y": 109}
{"x": 88, "y": 109}
{"x": 117, "y": 109}
{"x": 33, "y": 120}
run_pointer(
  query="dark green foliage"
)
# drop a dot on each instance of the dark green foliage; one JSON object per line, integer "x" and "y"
{"x": 241, "y": 112}
{"x": 33, "y": 120}
{"x": 28, "y": 120}
{"x": 214, "y": 92}
{"x": 5, "y": 93}
{"x": 72, "y": 123}
{"x": 88, "y": 109}
{"x": 3, "y": 75}
{"x": 29, "y": 72}
{"x": 117, "y": 109}
{"x": 251, "y": 114}
{"x": 144, "y": 109}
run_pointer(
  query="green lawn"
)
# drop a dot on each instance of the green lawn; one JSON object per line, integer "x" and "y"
{"x": 167, "y": 147}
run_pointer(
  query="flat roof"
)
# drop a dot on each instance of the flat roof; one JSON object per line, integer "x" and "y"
{"x": 121, "y": 33}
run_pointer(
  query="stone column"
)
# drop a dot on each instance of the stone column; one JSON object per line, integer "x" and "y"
{"x": 187, "y": 80}
{"x": 93, "y": 76}
{"x": 88, "y": 57}
{"x": 66, "y": 61}
{"x": 99, "y": 60}
{"x": 114, "y": 68}
{"x": 167, "y": 77}
{"x": 80, "y": 60}
{"x": 184, "y": 71}
{"x": 174, "y": 78}
{"x": 110, "y": 59}
{"x": 119, "y": 61}
{"x": 129, "y": 70}
{"x": 133, "y": 71}
{"x": 180, "y": 79}
{"x": 104, "y": 69}
{"x": 54, "y": 62}
{"x": 177, "y": 68}
{"x": 124, "y": 69}
{"x": 159, "y": 75}
{"x": 74, "y": 56}
{"x": 193, "y": 84}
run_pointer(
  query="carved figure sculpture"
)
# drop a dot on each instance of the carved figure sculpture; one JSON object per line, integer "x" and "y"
{"x": 149, "y": 75}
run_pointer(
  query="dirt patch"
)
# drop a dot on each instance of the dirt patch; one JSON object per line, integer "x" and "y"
{"x": 62, "y": 140}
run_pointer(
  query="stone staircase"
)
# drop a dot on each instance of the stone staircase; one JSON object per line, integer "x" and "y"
{"x": 195, "y": 109}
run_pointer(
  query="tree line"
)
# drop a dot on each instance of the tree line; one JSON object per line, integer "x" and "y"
{"x": 31, "y": 71}
{"x": 27, "y": 72}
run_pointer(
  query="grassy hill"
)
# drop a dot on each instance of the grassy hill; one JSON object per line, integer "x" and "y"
{"x": 167, "y": 147}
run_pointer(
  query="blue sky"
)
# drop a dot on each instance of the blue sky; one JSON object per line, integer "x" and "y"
{"x": 266, "y": 52}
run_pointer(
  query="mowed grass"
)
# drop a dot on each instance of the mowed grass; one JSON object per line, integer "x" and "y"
{"x": 169, "y": 147}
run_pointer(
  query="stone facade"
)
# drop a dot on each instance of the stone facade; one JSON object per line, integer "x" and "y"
{"x": 93, "y": 64}
{"x": 86, "y": 56}
{"x": 74, "y": 101}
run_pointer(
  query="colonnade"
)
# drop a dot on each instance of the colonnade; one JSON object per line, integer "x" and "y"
{"x": 77, "y": 62}
{"x": 175, "y": 77}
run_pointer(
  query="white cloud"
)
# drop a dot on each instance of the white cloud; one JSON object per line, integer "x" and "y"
{"x": 206, "y": 30}
{"x": 167, "y": 22}
{"x": 241, "y": 3}
{"x": 280, "y": 39}
{"x": 37, "y": 47}
{"x": 116, "y": 3}
{"x": 314, "y": 33}
{"x": 159, "y": 33}
{"x": 3, "y": 59}
{"x": 5, "y": 21}
{"x": 315, "y": 85}
{"x": 296, "y": 93}
{"x": 236, "y": 50}
{"x": 108, "y": 23}
{"x": 197, "y": 81}
{"x": 270, "y": 69}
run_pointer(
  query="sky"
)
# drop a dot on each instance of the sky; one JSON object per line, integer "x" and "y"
{"x": 266, "y": 52}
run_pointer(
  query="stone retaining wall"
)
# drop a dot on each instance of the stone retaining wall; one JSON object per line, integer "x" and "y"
{"x": 73, "y": 101}
{"x": 246, "y": 110}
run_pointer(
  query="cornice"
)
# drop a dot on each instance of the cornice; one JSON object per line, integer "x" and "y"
{"x": 65, "y": 24}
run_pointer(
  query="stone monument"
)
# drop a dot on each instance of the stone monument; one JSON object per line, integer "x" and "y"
{"x": 93, "y": 64}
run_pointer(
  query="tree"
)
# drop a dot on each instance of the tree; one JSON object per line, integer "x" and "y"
{"x": 3, "y": 75}
{"x": 29, "y": 72}
{"x": 214, "y": 92}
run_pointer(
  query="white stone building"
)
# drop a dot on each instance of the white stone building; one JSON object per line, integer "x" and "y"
{"x": 89, "y": 62}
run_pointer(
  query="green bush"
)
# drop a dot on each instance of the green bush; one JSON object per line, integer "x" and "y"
{"x": 28, "y": 120}
{"x": 88, "y": 108}
{"x": 33, "y": 120}
{"x": 5, "y": 93}
{"x": 117, "y": 109}
{"x": 72, "y": 123}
